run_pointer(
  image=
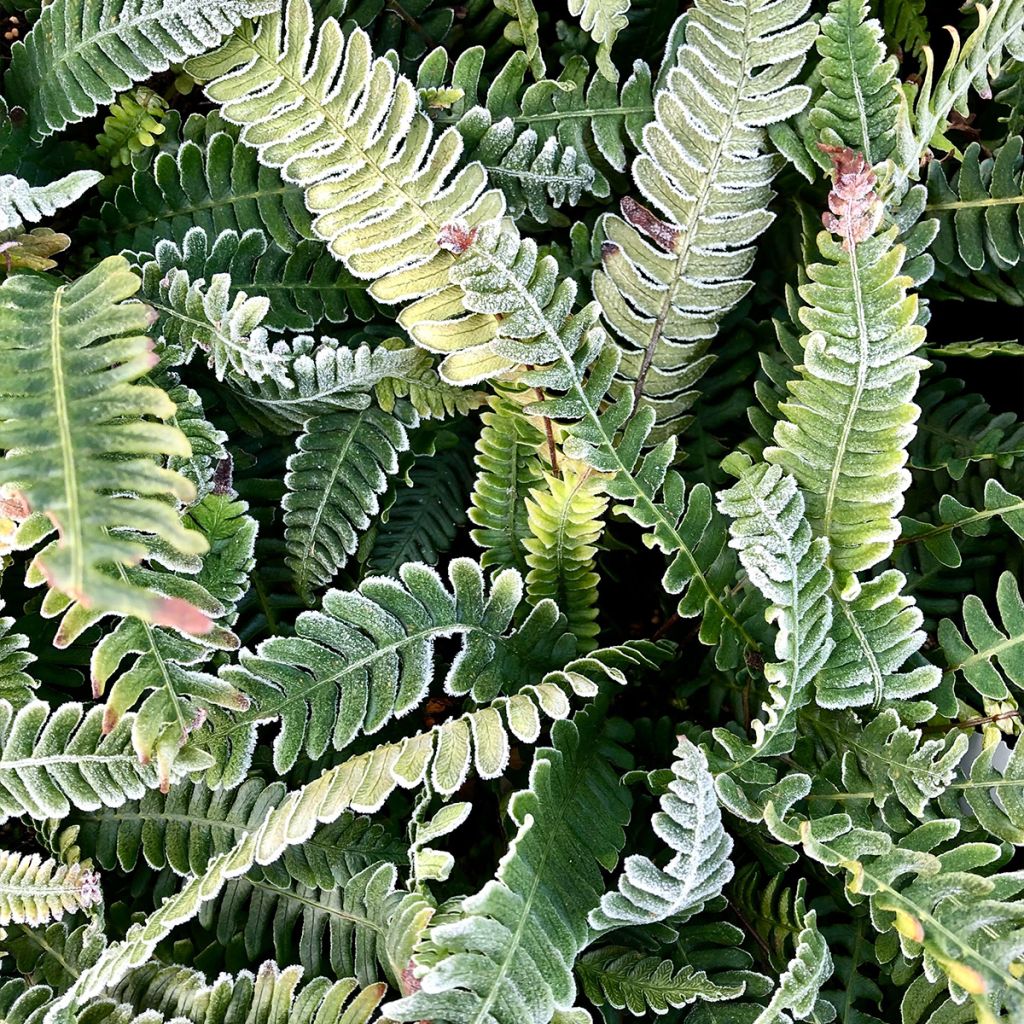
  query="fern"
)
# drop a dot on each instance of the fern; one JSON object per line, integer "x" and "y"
{"x": 20, "y": 201}
{"x": 706, "y": 176}
{"x": 61, "y": 462}
{"x": 342, "y": 465}
{"x": 82, "y": 56}
{"x": 565, "y": 521}
{"x": 16, "y": 685}
{"x": 603, "y": 20}
{"x": 35, "y": 891}
{"x": 134, "y": 123}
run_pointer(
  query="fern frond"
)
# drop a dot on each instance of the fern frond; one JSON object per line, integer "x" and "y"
{"x": 628, "y": 980}
{"x": 342, "y": 466}
{"x": 20, "y": 201}
{"x": 212, "y": 182}
{"x": 987, "y": 648}
{"x": 788, "y": 566}
{"x": 690, "y": 824}
{"x": 350, "y": 134}
{"x": 82, "y": 53}
{"x": 16, "y": 685}
{"x": 35, "y": 891}
{"x": 522, "y": 932}
{"x": 861, "y": 97}
{"x": 508, "y": 469}
{"x": 875, "y": 633}
{"x": 54, "y": 955}
{"x": 565, "y": 516}
{"x": 207, "y": 442}
{"x": 68, "y": 407}
{"x": 851, "y": 414}
{"x": 906, "y": 23}
{"x": 133, "y": 124}
{"x": 53, "y": 761}
{"x": 602, "y": 20}
{"x": 702, "y": 167}
{"x": 367, "y": 657}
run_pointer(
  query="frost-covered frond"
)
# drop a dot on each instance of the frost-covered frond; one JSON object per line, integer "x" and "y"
{"x": 626, "y": 979}
{"x": 577, "y": 112}
{"x": 345, "y": 126}
{"x": 212, "y": 317}
{"x": 672, "y": 269}
{"x": 342, "y": 465}
{"x": 68, "y": 356}
{"x": 445, "y": 754}
{"x": 53, "y": 761}
{"x": 980, "y": 214}
{"x": 565, "y": 516}
{"x": 602, "y": 20}
{"x": 323, "y": 376}
{"x": 508, "y": 469}
{"x": 940, "y": 538}
{"x": 875, "y": 633}
{"x": 851, "y": 414}
{"x": 522, "y": 932}
{"x": 304, "y": 287}
{"x": 20, "y": 201}
{"x": 988, "y": 656}
{"x": 957, "y": 429}
{"x": 16, "y": 685}
{"x": 690, "y": 825}
{"x": 788, "y": 565}
{"x": 213, "y": 182}
{"x": 81, "y": 53}
{"x": 207, "y": 442}
{"x": 35, "y": 891}
{"x": 861, "y": 96}
{"x": 368, "y": 656}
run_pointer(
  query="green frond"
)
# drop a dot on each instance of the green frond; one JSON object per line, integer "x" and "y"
{"x": 54, "y": 954}
{"x": 80, "y": 437}
{"x": 988, "y": 656}
{"x": 939, "y": 538}
{"x": 207, "y": 442}
{"x": 16, "y": 685}
{"x": 367, "y": 657}
{"x": 133, "y": 124}
{"x": 20, "y": 201}
{"x": 324, "y": 376}
{"x": 342, "y": 465}
{"x": 304, "y": 286}
{"x": 875, "y": 633}
{"x": 979, "y": 210}
{"x": 347, "y": 110}
{"x": 522, "y": 932}
{"x": 212, "y": 317}
{"x": 425, "y": 517}
{"x": 773, "y": 910}
{"x": 798, "y": 988}
{"x": 626, "y": 979}
{"x": 34, "y": 891}
{"x": 602, "y": 20}
{"x": 906, "y": 23}
{"x": 565, "y": 516}
{"x": 861, "y": 96}
{"x": 87, "y": 51}
{"x": 416, "y": 379}
{"x": 508, "y": 469}
{"x": 690, "y": 825}
{"x": 523, "y": 32}
{"x": 851, "y": 413}
{"x": 788, "y": 566}
{"x": 958, "y": 429}
{"x": 53, "y": 761}
{"x": 665, "y": 284}
{"x": 212, "y": 182}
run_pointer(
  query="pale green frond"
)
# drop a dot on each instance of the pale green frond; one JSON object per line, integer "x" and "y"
{"x": 851, "y": 415}
{"x": 626, "y": 979}
{"x": 342, "y": 465}
{"x": 35, "y": 891}
{"x": 861, "y": 97}
{"x": 508, "y": 469}
{"x": 523, "y": 31}
{"x": 797, "y": 993}
{"x": 80, "y": 437}
{"x": 602, "y": 20}
{"x": 789, "y": 567}
{"x": 367, "y": 656}
{"x": 668, "y": 277}
{"x": 565, "y": 516}
{"x": 22, "y": 202}
{"x": 133, "y": 124}
{"x": 207, "y": 443}
{"x": 87, "y": 51}
{"x": 690, "y": 825}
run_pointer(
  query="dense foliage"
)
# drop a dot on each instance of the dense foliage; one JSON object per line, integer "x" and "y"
{"x": 506, "y": 474}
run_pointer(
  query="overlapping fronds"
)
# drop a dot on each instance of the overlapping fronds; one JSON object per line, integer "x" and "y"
{"x": 35, "y": 891}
